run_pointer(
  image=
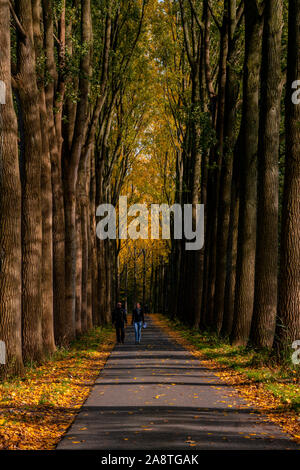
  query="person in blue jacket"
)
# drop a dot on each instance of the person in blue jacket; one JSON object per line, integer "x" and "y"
{"x": 137, "y": 321}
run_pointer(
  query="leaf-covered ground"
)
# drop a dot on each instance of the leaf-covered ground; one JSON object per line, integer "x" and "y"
{"x": 37, "y": 409}
{"x": 273, "y": 390}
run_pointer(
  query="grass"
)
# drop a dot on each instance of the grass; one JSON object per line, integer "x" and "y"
{"x": 38, "y": 407}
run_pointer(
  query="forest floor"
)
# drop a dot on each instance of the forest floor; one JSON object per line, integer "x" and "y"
{"x": 37, "y": 408}
{"x": 272, "y": 388}
{"x": 163, "y": 394}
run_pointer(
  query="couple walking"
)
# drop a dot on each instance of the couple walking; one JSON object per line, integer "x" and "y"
{"x": 119, "y": 318}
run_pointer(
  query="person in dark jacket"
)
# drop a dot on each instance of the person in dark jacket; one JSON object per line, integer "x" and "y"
{"x": 137, "y": 321}
{"x": 119, "y": 318}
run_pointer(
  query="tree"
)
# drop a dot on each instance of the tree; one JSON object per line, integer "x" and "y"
{"x": 266, "y": 265}
{"x": 288, "y": 326}
{"x": 71, "y": 164}
{"x": 162, "y": 101}
{"x": 10, "y": 211}
{"x": 58, "y": 214}
{"x": 30, "y": 157}
{"x": 230, "y": 111}
{"x": 46, "y": 196}
{"x": 244, "y": 289}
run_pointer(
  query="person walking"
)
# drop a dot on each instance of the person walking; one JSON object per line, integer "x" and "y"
{"x": 119, "y": 318}
{"x": 137, "y": 321}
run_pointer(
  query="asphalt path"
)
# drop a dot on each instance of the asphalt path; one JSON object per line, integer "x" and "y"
{"x": 157, "y": 395}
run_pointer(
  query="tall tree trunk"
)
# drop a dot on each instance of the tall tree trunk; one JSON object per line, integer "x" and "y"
{"x": 100, "y": 244}
{"x": 266, "y": 267}
{"x": 244, "y": 293}
{"x": 126, "y": 288}
{"x": 84, "y": 238}
{"x": 47, "y": 247}
{"x": 231, "y": 96}
{"x": 214, "y": 205}
{"x": 89, "y": 292}
{"x": 288, "y": 327}
{"x": 230, "y": 281}
{"x": 10, "y": 212}
{"x": 108, "y": 272}
{"x": 144, "y": 277}
{"x": 58, "y": 216}
{"x": 89, "y": 235}
{"x": 117, "y": 262}
{"x": 70, "y": 259}
{"x": 78, "y": 295}
{"x": 82, "y": 243}
{"x": 60, "y": 86}
{"x": 93, "y": 241}
{"x": 135, "y": 299}
{"x": 102, "y": 285}
{"x": 31, "y": 192}
{"x": 71, "y": 164}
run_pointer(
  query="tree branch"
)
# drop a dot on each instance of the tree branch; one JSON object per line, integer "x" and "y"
{"x": 20, "y": 28}
{"x": 215, "y": 19}
{"x": 198, "y": 21}
{"x": 186, "y": 36}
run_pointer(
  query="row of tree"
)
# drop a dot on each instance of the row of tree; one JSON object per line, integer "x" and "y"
{"x": 71, "y": 70}
{"x": 226, "y": 65}
{"x": 163, "y": 101}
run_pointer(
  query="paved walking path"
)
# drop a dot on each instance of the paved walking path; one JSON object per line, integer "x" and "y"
{"x": 157, "y": 395}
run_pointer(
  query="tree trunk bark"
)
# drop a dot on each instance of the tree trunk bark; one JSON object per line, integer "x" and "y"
{"x": 231, "y": 96}
{"x": 288, "y": 326}
{"x": 93, "y": 240}
{"x": 232, "y": 246}
{"x": 144, "y": 277}
{"x": 266, "y": 265}
{"x": 31, "y": 192}
{"x": 212, "y": 311}
{"x": 244, "y": 293}
{"x": 78, "y": 297}
{"x": 47, "y": 246}
{"x": 84, "y": 235}
{"x": 10, "y": 212}
{"x": 89, "y": 235}
{"x": 58, "y": 215}
{"x": 70, "y": 260}
{"x": 71, "y": 164}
